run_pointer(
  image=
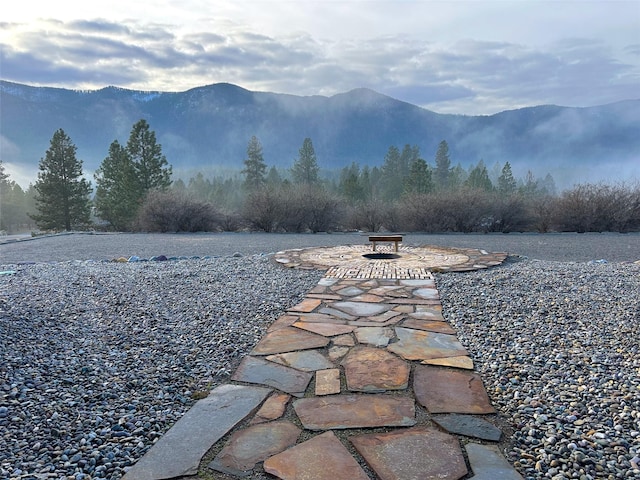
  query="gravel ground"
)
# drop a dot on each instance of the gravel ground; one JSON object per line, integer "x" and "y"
{"x": 98, "y": 359}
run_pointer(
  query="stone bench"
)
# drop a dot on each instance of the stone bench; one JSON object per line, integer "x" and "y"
{"x": 396, "y": 239}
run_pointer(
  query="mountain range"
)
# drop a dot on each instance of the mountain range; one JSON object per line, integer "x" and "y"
{"x": 208, "y": 128}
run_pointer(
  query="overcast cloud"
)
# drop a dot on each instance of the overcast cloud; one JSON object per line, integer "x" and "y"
{"x": 471, "y": 57}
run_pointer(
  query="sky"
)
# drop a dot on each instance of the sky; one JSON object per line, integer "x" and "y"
{"x": 473, "y": 57}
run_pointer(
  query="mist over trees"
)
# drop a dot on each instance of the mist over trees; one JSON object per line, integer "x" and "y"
{"x": 409, "y": 191}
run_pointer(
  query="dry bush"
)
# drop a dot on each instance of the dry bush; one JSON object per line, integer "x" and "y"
{"x": 171, "y": 211}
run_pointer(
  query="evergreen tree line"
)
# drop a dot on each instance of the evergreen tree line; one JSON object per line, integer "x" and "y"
{"x": 134, "y": 192}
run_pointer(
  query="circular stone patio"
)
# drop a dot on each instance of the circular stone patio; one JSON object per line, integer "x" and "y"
{"x": 410, "y": 262}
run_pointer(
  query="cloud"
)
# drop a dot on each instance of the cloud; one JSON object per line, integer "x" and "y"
{"x": 465, "y": 76}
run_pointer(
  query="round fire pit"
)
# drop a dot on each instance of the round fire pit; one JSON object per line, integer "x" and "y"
{"x": 381, "y": 256}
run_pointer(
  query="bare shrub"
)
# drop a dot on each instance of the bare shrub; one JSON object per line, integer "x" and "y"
{"x": 263, "y": 209}
{"x": 171, "y": 211}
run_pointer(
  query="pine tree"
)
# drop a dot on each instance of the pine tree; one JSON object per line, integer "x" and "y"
{"x": 442, "y": 173}
{"x": 419, "y": 179}
{"x": 506, "y": 183}
{"x": 254, "y": 166}
{"x": 118, "y": 190}
{"x": 305, "y": 169}
{"x": 479, "y": 178}
{"x": 62, "y": 198}
{"x": 151, "y": 166}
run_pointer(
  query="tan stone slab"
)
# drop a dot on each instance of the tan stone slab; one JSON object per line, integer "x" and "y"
{"x": 429, "y": 325}
{"x": 462, "y": 361}
{"x": 272, "y": 408}
{"x": 307, "y": 305}
{"x": 404, "y": 308}
{"x": 344, "y": 341}
{"x": 321, "y": 458}
{"x": 283, "y": 321}
{"x": 429, "y": 308}
{"x": 384, "y": 290}
{"x": 447, "y": 390}
{"x": 420, "y": 345}
{"x": 414, "y": 453}
{"x": 355, "y": 411}
{"x": 336, "y": 353}
{"x": 328, "y": 381}
{"x": 366, "y": 297}
{"x": 325, "y": 329}
{"x": 370, "y": 369}
{"x": 254, "y": 444}
{"x": 376, "y": 336}
{"x": 412, "y": 301}
{"x": 305, "y": 360}
{"x": 288, "y": 339}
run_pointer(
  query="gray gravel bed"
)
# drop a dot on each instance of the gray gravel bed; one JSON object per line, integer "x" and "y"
{"x": 98, "y": 359}
{"x": 558, "y": 347}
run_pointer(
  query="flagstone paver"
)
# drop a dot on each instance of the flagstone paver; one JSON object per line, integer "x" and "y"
{"x": 262, "y": 372}
{"x": 179, "y": 451}
{"x": 355, "y": 411}
{"x": 358, "y": 334}
{"x": 321, "y": 458}
{"x": 254, "y": 444}
{"x": 488, "y": 463}
{"x": 469, "y": 426}
{"x": 415, "y": 453}
{"x": 447, "y": 390}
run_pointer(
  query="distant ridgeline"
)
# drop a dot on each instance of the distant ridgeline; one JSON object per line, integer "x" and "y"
{"x": 207, "y": 129}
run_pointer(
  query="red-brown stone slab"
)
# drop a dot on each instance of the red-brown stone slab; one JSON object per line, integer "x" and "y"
{"x": 272, "y": 408}
{"x": 321, "y": 458}
{"x": 288, "y": 339}
{"x": 414, "y": 453}
{"x": 429, "y": 325}
{"x": 355, "y": 411}
{"x": 325, "y": 329}
{"x": 370, "y": 369}
{"x": 462, "y": 361}
{"x": 321, "y": 318}
{"x": 254, "y": 444}
{"x": 283, "y": 321}
{"x": 447, "y": 390}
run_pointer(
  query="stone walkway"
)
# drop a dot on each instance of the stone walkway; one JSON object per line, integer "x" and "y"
{"x": 362, "y": 379}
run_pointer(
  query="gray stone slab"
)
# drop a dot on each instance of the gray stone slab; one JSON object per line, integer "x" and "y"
{"x": 260, "y": 371}
{"x": 468, "y": 425}
{"x": 488, "y": 463}
{"x": 179, "y": 451}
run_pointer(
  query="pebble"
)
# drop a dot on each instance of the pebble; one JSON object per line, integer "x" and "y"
{"x": 558, "y": 347}
{"x": 99, "y": 359}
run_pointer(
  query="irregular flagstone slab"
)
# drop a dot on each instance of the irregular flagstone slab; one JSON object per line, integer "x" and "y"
{"x": 468, "y": 425}
{"x": 344, "y": 340}
{"x": 272, "y": 408}
{"x": 324, "y": 296}
{"x": 412, "y": 301}
{"x": 418, "y": 283}
{"x": 367, "y": 297}
{"x": 377, "y": 336}
{"x": 429, "y": 325}
{"x": 383, "y": 291}
{"x": 386, "y": 316}
{"x": 350, "y": 291}
{"x": 283, "y": 321}
{"x": 336, "y": 353}
{"x": 321, "y": 458}
{"x": 325, "y": 329}
{"x": 328, "y": 381}
{"x": 418, "y": 452}
{"x": 455, "y": 362}
{"x": 307, "y": 305}
{"x": 355, "y": 411}
{"x": 179, "y": 451}
{"x": 288, "y": 339}
{"x": 327, "y": 282}
{"x": 404, "y": 308}
{"x": 420, "y": 345}
{"x": 427, "y": 293}
{"x": 428, "y": 315}
{"x": 260, "y": 371}
{"x": 254, "y": 444}
{"x": 373, "y": 370}
{"x": 446, "y": 390}
{"x": 321, "y": 318}
{"x": 488, "y": 463}
{"x": 336, "y": 313}
{"x": 306, "y": 360}
{"x": 362, "y": 309}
